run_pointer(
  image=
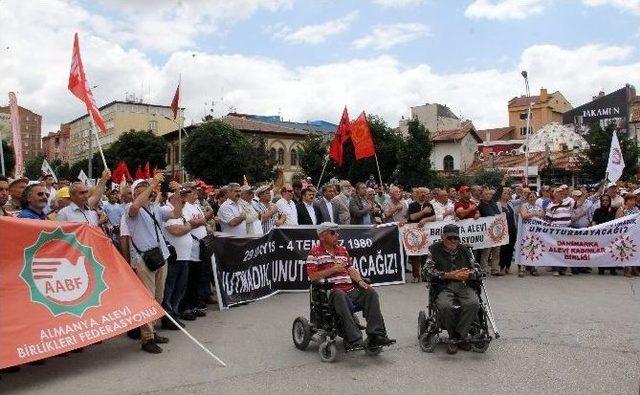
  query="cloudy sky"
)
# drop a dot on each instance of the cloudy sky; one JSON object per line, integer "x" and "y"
{"x": 306, "y": 59}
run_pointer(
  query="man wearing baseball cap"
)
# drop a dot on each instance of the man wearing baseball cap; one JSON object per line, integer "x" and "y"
{"x": 330, "y": 261}
{"x": 464, "y": 207}
{"x": 450, "y": 267}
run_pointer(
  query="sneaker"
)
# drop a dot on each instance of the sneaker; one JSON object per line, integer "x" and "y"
{"x": 160, "y": 339}
{"x": 356, "y": 345}
{"x": 452, "y": 348}
{"x": 151, "y": 347}
{"x": 188, "y": 315}
{"x": 380, "y": 341}
{"x": 199, "y": 312}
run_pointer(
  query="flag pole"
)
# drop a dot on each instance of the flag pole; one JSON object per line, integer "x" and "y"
{"x": 95, "y": 133}
{"x": 326, "y": 160}
{"x": 378, "y": 166}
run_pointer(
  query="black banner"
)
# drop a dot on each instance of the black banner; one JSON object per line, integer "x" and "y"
{"x": 248, "y": 268}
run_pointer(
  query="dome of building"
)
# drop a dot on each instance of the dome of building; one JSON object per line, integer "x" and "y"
{"x": 557, "y": 137}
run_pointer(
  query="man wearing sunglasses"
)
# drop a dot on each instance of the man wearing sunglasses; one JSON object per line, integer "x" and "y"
{"x": 329, "y": 260}
{"x": 450, "y": 266}
{"x": 34, "y": 199}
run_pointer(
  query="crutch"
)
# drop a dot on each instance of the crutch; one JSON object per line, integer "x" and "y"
{"x": 492, "y": 321}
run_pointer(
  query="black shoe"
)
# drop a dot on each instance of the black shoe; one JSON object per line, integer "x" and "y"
{"x": 188, "y": 315}
{"x": 356, "y": 345}
{"x": 160, "y": 339}
{"x": 150, "y": 346}
{"x": 169, "y": 325}
{"x": 134, "y": 334}
{"x": 452, "y": 348}
{"x": 381, "y": 341}
{"x": 199, "y": 312}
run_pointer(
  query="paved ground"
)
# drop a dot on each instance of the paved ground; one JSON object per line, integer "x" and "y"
{"x": 559, "y": 335}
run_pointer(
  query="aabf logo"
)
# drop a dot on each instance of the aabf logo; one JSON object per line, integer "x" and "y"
{"x": 62, "y": 274}
{"x": 414, "y": 239}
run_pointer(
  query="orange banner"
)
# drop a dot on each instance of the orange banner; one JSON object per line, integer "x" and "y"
{"x": 63, "y": 286}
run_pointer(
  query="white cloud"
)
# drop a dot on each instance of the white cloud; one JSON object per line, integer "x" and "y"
{"x": 314, "y": 34}
{"x": 632, "y": 6}
{"x": 387, "y": 36}
{"x": 504, "y": 9}
{"x": 398, "y": 3}
{"x": 380, "y": 85}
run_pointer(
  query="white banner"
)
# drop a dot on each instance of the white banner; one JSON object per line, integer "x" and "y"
{"x": 610, "y": 244}
{"x": 479, "y": 233}
{"x": 615, "y": 165}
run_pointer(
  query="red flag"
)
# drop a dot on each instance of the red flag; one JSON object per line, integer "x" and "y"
{"x": 79, "y": 86}
{"x": 119, "y": 171}
{"x": 139, "y": 174}
{"x": 147, "y": 170}
{"x": 175, "y": 102}
{"x": 361, "y": 137}
{"x": 342, "y": 134}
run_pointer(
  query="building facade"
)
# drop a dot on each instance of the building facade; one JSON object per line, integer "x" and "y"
{"x": 545, "y": 108}
{"x": 120, "y": 117}
{"x": 454, "y": 150}
{"x": 56, "y": 144}
{"x": 30, "y": 130}
{"x": 435, "y": 117}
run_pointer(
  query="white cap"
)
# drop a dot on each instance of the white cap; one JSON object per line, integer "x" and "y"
{"x": 137, "y": 182}
{"x": 325, "y": 226}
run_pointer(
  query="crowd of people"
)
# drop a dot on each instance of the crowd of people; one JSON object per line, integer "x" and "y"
{"x": 153, "y": 222}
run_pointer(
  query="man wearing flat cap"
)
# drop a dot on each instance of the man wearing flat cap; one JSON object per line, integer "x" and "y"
{"x": 330, "y": 261}
{"x": 450, "y": 266}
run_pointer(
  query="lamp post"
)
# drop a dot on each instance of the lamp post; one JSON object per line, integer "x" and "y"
{"x": 179, "y": 125}
{"x": 526, "y": 148}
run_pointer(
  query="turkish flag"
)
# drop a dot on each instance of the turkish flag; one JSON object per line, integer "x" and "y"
{"x": 140, "y": 174}
{"x": 79, "y": 86}
{"x": 175, "y": 102}
{"x": 119, "y": 171}
{"x": 361, "y": 137}
{"x": 342, "y": 135}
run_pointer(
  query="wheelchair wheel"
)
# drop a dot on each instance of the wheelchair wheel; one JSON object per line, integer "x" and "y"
{"x": 328, "y": 351}
{"x": 422, "y": 323}
{"x": 429, "y": 341}
{"x": 301, "y": 333}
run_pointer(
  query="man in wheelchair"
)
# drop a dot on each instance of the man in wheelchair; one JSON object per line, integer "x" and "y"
{"x": 452, "y": 275}
{"x": 330, "y": 261}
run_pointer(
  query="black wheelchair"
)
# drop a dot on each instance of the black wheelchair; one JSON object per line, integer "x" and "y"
{"x": 430, "y": 328}
{"x": 324, "y": 325}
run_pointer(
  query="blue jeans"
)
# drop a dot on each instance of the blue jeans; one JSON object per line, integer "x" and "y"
{"x": 175, "y": 287}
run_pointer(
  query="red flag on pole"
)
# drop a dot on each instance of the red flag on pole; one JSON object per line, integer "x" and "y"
{"x": 361, "y": 137}
{"x": 79, "y": 86}
{"x": 119, "y": 171}
{"x": 139, "y": 174}
{"x": 176, "y": 102}
{"x": 342, "y": 135}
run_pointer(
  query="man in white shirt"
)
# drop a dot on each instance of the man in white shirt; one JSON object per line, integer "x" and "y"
{"x": 287, "y": 207}
{"x": 77, "y": 210}
{"x": 254, "y": 225}
{"x": 307, "y": 213}
{"x": 327, "y": 209}
{"x": 231, "y": 215}
{"x": 48, "y": 184}
{"x": 443, "y": 207}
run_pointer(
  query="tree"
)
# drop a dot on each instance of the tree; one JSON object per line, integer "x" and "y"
{"x": 414, "y": 163}
{"x": 9, "y": 158}
{"x": 33, "y": 167}
{"x": 218, "y": 154}
{"x": 313, "y": 155}
{"x": 136, "y": 148}
{"x": 593, "y": 161}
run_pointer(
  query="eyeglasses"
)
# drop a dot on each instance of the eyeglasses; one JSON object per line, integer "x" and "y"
{"x": 41, "y": 194}
{"x": 287, "y": 190}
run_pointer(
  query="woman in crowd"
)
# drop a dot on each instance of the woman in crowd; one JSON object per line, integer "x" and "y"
{"x": 602, "y": 214}
{"x": 506, "y": 252}
{"x": 528, "y": 210}
{"x": 629, "y": 208}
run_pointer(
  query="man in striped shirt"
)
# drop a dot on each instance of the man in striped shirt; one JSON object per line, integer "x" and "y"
{"x": 558, "y": 213}
{"x": 329, "y": 260}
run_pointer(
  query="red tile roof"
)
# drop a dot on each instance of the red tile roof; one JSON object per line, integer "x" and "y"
{"x": 454, "y": 135}
{"x": 523, "y": 101}
{"x": 564, "y": 159}
{"x": 495, "y": 133}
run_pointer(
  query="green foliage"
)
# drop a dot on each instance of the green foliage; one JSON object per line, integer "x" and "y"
{"x": 414, "y": 164}
{"x": 9, "y": 158}
{"x": 218, "y": 154}
{"x": 63, "y": 171}
{"x": 594, "y": 160}
{"x": 488, "y": 177}
{"x": 33, "y": 167}
{"x": 312, "y": 157}
{"x": 136, "y": 148}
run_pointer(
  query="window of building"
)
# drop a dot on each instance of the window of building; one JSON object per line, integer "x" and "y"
{"x": 447, "y": 163}
{"x": 153, "y": 126}
{"x": 523, "y": 130}
{"x": 294, "y": 157}
{"x": 281, "y": 156}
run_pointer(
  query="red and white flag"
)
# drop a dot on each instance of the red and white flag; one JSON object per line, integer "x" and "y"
{"x": 17, "y": 136}
{"x": 176, "y": 102}
{"x": 79, "y": 86}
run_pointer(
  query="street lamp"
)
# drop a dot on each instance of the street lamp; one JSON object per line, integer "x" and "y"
{"x": 526, "y": 148}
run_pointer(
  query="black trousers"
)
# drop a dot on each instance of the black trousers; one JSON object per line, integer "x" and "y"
{"x": 343, "y": 303}
{"x": 469, "y": 306}
{"x": 191, "y": 297}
